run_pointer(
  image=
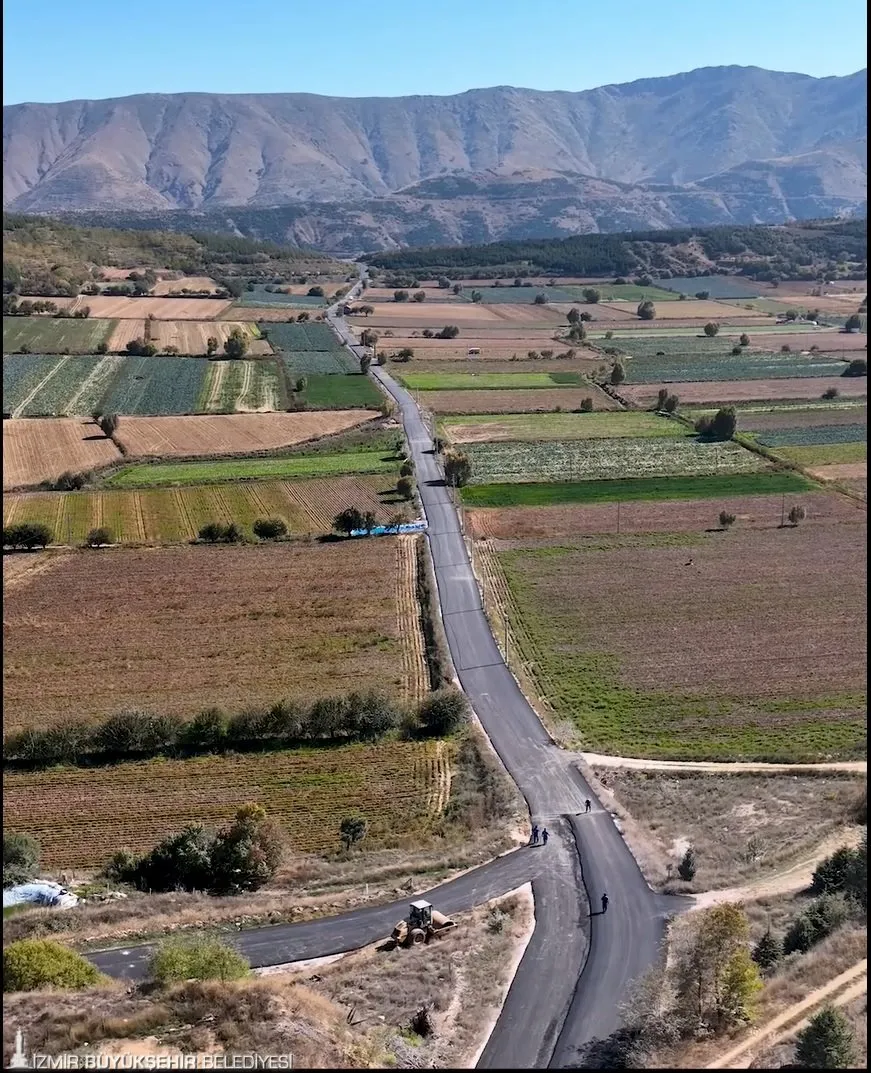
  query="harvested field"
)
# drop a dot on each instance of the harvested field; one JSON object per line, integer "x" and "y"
{"x": 790, "y": 417}
{"x": 847, "y": 472}
{"x": 809, "y": 387}
{"x": 184, "y": 628}
{"x": 174, "y": 515}
{"x": 19, "y": 570}
{"x": 824, "y": 454}
{"x": 466, "y": 381}
{"x": 191, "y": 337}
{"x": 663, "y": 516}
{"x": 743, "y": 826}
{"x": 538, "y": 400}
{"x": 41, "y": 450}
{"x": 691, "y": 310}
{"x": 587, "y": 365}
{"x": 845, "y": 304}
{"x": 622, "y": 646}
{"x": 528, "y": 314}
{"x": 80, "y": 816}
{"x": 231, "y": 434}
{"x": 102, "y": 306}
{"x": 245, "y": 386}
{"x": 826, "y": 342}
{"x": 427, "y": 315}
{"x": 481, "y": 428}
{"x": 191, "y": 283}
{"x": 286, "y": 314}
{"x": 124, "y": 332}
{"x": 47, "y": 335}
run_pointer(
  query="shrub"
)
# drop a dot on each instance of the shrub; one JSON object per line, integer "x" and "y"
{"x": 831, "y": 393}
{"x": 843, "y": 873}
{"x": 857, "y": 367}
{"x": 405, "y": 487}
{"x": 591, "y": 295}
{"x": 726, "y": 519}
{"x": 736, "y": 350}
{"x": 20, "y": 858}
{"x": 246, "y": 854}
{"x": 269, "y": 528}
{"x": 786, "y": 349}
{"x": 101, "y": 348}
{"x": 234, "y": 534}
{"x": 27, "y": 535}
{"x": 586, "y": 405}
{"x": 443, "y": 712}
{"x": 71, "y": 482}
{"x": 34, "y": 963}
{"x": 96, "y": 538}
{"x": 711, "y": 329}
{"x": 719, "y": 427}
{"x": 817, "y": 921}
{"x": 703, "y": 296}
{"x": 352, "y": 829}
{"x": 796, "y": 514}
{"x": 196, "y": 957}
{"x": 348, "y": 520}
{"x": 450, "y": 331}
{"x": 211, "y": 532}
{"x": 745, "y": 339}
{"x": 618, "y": 373}
{"x": 853, "y": 323}
{"x": 687, "y": 867}
{"x": 205, "y": 733}
{"x": 406, "y": 469}
{"x": 768, "y": 951}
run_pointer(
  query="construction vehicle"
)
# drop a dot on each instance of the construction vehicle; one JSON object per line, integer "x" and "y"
{"x": 422, "y": 923}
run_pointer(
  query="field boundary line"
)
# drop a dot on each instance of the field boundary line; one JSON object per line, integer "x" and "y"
{"x": 17, "y": 412}
{"x": 643, "y": 764}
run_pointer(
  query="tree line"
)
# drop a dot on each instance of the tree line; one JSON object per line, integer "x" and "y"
{"x": 137, "y": 735}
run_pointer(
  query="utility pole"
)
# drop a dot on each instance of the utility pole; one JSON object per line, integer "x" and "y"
{"x": 782, "y": 510}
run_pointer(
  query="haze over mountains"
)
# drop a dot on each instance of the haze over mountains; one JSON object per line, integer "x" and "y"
{"x": 716, "y": 145}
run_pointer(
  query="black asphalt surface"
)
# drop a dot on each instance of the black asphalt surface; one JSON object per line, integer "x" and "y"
{"x": 579, "y": 964}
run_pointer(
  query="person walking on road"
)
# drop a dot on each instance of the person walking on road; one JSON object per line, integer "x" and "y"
{"x": 544, "y": 835}
{"x": 604, "y": 903}
{"x": 588, "y": 805}
{"x": 535, "y": 834}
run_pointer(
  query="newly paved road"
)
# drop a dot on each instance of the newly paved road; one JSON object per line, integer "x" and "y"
{"x": 578, "y": 965}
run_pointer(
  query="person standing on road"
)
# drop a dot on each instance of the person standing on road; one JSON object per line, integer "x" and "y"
{"x": 544, "y": 835}
{"x": 535, "y": 834}
{"x": 588, "y": 805}
{"x": 604, "y": 903}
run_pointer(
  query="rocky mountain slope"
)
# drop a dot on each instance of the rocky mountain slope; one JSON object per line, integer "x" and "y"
{"x": 713, "y": 145}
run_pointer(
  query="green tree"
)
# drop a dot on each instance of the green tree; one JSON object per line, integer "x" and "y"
{"x": 211, "y": 533}
{"x": 577, "y": 333}
{"x": 853, "y": 323}
{"x": 246, "y": 854}
{"x": 270, "y": 528}
{"x": 109, "y": 425}
{"x": 27, "y": 535}
{"x": 826, "y": 1042}
{"x": 703, "y": 296}
{"x": 687, "y": 867}
{"x": 586, "y": 405}
{"x": 540, "y": 299}
{"x": 745, "y": 339}
{"x": 476, "y": 297}
{"x": 419, "y": 296}
{"x": 591, "y": 295}
{"x": 450, "y": 331}
{"x": 196, "y": 957}
{"x": 352, "y": 829}
{"x": 719, "y": 427}
{"x": 316, "y": 292}
{"x": 618, "y": 373}
{"x": 671, "y": 404}
{"x": 31, "y": 964}
{"x": 400, "y": 296}
{"x": 703, "y": 963}
{"x": 458, "y": 469}
{"x": 768, "y": 951}
{"x": 857, "y": 367}
{"x": 457, "y": 288}
{"x": 845, "y": 872}
{"x": 20, "y": 858}
{"x": 740, "y": 985}
{"x": 443, "y": 712}
{"x": 646, "y": 310}
{"x": 573, "y": 316}
{"x": 211, "y": 345}
{"x": 348, "y": 520}
{"x": 820, "y": 918}
{"x": 406, "y": 469}
{"x": 236, "y": 345}
{"x": 99, "y": 537}
{"x": 405, "y": 487}
{"x": 711, "y": 329}
{"x": 444, "y": 283}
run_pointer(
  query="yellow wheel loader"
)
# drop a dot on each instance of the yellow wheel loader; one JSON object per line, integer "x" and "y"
{"x": 422, "y": 923}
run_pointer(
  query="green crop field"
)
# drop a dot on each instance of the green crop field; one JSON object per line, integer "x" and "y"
{"x": 300, "y": 337}
{"x": 813, "y": 434}
{"x": 603, "y": 459}
{"x": 342, "y": 393}
{"x": 650, "y": 655}
{"x": 559, "y": 493}
{"x": 732, "y": 330}
{"x": 716, "y": 286}
{"x": 251, "y": 385}
{"x": 319, "y": 362}
{"x": 623, "y": 292}
{"x": 154, "y": 386}
{"x": 511, "y": 295}
{"x": 824, "y": 454}
{"x": 50, "y": 335}
{"x": 561, "y": 426}
{"x": 174, "y": 474}
{"x": 38, "y": 385}
{"x": 258, "y": 296}
{"x": 757, "y": 365}
{"x": 475, "y": 381}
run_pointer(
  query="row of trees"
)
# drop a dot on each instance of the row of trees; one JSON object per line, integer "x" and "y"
{"x": 232, "y": 533}
{"x": 356, "y": 716}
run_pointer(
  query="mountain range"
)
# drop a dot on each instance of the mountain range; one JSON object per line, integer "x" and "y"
{"x": 715, "y": 145}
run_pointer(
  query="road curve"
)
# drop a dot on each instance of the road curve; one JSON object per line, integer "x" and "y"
{"x": 578, "y": 964}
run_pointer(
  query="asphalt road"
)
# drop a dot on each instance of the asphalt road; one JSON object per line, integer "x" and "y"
{"x": 579, "y": 964}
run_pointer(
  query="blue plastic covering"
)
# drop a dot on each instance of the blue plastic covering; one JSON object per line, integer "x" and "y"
{"x": 39, "y": 892}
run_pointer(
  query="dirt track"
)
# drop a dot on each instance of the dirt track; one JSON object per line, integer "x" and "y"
{"x": 599, "y": 760}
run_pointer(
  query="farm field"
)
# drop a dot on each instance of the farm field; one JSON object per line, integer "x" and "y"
{"x": 535, "y": 400}
{"x": 651, "y": 516}
{"x": 331, "y": 392}
{"x": 622, "y": 292}
{"x": 191, "y": 336}
{"x": 247, "y": 386}
{"x": 166, "y": 308}
{"x": 794, "y": 415}
{"x": 428, "y": 315}
{"x": 165, "y": 516}
{"x": 280, "y": 298}
{"x": 477, "y": 381}
{"x": 716, "y": 286}
{"x": 853, "y": 475}
{"x": 823, "y": 454}
{"x": 622, "y": 490}
{"x": 231, "y": 433}
{"x": 700, "y": 348}
{"x": 319, "y": 363}
{"x": 175, "y": 515}
{"x": 499, "y": 343}
{"x": 827, "y": 303}
{"x": 303, "y": 338}
{"x": 36, "y": 451}
{"x": 481, "y": 428}
{"x": 191, "y": 283}
{"x": 518, "y": 296}
{"x": 124, "y": 332}
{"x": 735, "y": 326}
{"x": 717, "y": 391}
{"x": 180, "y": 629}
{"x": 584, "y": 362}
{"x": 622, "y": 646}
{"x": 692, "y": 309}
{"x": 80, "y": 816}
{"x": 603, "y": 459}
{"x": 47, "y": 335}
{"x": 825, "y": 341}
{"x": 174, "y": 474}
{"x": 755, "y": 365}
{"x": 161, "y": 385}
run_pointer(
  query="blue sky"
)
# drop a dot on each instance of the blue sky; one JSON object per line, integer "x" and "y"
{"x": 57, "y": 50}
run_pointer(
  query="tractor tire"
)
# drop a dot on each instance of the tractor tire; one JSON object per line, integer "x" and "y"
{"x": 418, "y": 936}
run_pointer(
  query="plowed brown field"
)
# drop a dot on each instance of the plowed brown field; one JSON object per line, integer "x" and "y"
{"x": 428, "y": 315}
{"x": 192, "y": 336}
{"x": 693, "y": 310}
{"x": 41, "y": 449}
{"x": 512, "y": 524}
{"x": 827, "y": 342}
{"x": 811, "y": 387}
{"x": 231, "y": 433}
{"x": 160, "y": 308}
{"x": 515, "y": 400}
{"x": 125, "y": 332}
{"x": 191, "y": 283}
{"x": 177, "y": 629}
{"x": 811, "y": 418}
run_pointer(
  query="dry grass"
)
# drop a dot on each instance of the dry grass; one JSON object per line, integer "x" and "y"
{"x": 743, "y": 826}
{"x": 41, "y": 449}
{"x": 230, "y": 433}
{"x": 191, "y": 283}
{"x": 106, "y": 306}
{"x": 691, "y": 310}
{"x": 428, "y": 315}
{"x": 124, "y": 332}
{"x": 809, "y": 387}
{"x": 191, "y": 336}
{"x": 179, "y": 628}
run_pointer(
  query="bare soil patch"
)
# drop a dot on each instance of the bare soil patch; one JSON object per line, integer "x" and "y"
{"x": 177, "y": 629}
{"x": 21, "y": 568}
{"x": 843, "y": 471}
{"x": 41, "y": 449}
{"x": 427, "y": 315}
{"x": 515, "y": 401}
{"x": 826, "y": 342}
{"x": 231, "y": 433}
{"x": 675, "y": 516}
{"x": 160, "y": 308}
{"x": 190, "y": 283}
{"x": 811, "y": 387}
{"x": 744, "y": 827}
{"x": 695, "y": 310}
